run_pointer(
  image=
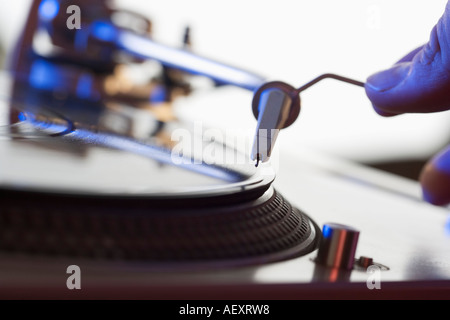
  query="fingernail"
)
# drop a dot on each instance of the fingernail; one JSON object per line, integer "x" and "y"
{"x": 442, "y": 161}
{"x": 388, "y": 79}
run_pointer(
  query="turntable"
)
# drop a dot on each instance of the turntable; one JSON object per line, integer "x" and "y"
{"x": 98, "y": 170}
{"x": 136, "y": 203}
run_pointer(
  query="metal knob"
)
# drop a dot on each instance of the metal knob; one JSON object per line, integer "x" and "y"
{"x": 338, "y": 246}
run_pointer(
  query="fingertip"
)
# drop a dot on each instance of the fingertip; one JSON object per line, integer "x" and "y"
{"x": 384, "y": 113}
{"x": 387, "y": 79}
{"x": 435, "y": 181}
{"x": 379, "y": 85}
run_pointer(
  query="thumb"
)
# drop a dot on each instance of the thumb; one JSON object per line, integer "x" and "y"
{"x": 435, "y": 179}
{"x": 420, "y": 84}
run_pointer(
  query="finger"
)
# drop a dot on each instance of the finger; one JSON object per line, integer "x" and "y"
{"x": 435, "y": 179}
{"x": 410, "y": 55}
{"x": 384, "y": 113}
{"x": 420, "y": 84}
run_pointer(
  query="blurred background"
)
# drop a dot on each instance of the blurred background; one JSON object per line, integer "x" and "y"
{"x": 295, "y": 41}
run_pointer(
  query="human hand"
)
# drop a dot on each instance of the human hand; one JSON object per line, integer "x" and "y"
{"x": 420, "y": 83}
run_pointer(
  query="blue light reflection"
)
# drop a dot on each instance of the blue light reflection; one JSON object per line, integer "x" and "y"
{"x": 46, "y": 76}
{"x": 48, "y": 9}
{"x": 327, "y": 231}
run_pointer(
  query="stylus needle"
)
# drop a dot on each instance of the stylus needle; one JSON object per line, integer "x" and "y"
{"x": 273, "y": 113}
{"x": 257, "y": 159}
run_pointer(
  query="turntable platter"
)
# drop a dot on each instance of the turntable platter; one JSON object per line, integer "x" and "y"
{"x": 70, "y": 156}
